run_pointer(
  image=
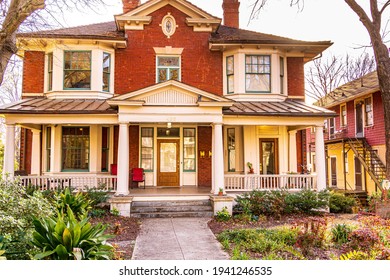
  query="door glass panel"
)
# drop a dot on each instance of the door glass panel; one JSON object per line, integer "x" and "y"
{"x": 168, "y": 157}
{"x": 268, "y": 158}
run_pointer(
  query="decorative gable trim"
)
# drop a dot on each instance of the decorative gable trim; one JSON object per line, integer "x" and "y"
{"x": 136, "y": 19}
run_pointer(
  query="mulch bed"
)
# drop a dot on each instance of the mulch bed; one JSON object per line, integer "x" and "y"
{"x": 125, "y": 229}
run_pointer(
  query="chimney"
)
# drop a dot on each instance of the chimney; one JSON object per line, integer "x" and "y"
{"x": 129, "y": 5}
{"x": 231, "y": 13}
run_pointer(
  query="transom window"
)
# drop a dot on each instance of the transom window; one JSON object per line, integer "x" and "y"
{"x": 168, "y": 68}
{"x": 258, "y": 73}
{"x": 75, "y": 148}
{"x": 77, "y": 70}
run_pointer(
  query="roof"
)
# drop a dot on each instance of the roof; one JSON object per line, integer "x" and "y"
{"x": 58, "y": 106}
{"x": 226, "y": 34}
{"x": 102, "y": 31}
{"x": 365, "y": 85}
{"x": 290, "y": 107}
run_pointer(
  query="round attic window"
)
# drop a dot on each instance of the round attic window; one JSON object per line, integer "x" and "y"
{"x": 168, "y": 25}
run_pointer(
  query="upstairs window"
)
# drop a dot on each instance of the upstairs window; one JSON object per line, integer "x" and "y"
{"x": 106, "y": 71}
{"x": 230, "y": 74}
{"x": 168, "y": 68}
{"x": 50, "y": 71}
{"x": 77, "y": 70}
{"x": 332, "y": 128}
{"x": 281, "y": 68}
{"x": 343, "y": 115}
{"x": 258, "y": 73}
{"x": 369, "y": 117}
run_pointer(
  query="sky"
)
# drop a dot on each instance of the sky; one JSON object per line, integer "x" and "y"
{"x": 320, "y": 20}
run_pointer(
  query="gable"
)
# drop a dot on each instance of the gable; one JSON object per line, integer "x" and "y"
{"x": 139, "y": 17}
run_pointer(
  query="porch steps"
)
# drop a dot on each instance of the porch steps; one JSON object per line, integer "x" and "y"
{"x": 171, "y": 209}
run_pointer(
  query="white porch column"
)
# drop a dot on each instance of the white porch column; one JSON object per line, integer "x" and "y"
{"x": 123, "y": 160}
{"x": 292, "y": 150}
{"x": 9, "y": 150}
{"x": 36, "y": 152}
{"x": 218, "y": 158}
{"x": 212, "y": 161}
{"x": 320, "y": 159}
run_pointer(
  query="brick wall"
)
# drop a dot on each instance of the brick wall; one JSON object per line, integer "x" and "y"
{"x": 204, "y": 164}
{"x": 135, "y": 66}
{"x": 33, "y": 72}
{"x": 295, "y": 76}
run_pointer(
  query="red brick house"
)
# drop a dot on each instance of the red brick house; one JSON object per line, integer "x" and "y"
{"x": 168, "y": 88}
{"x": 355, "y": 138}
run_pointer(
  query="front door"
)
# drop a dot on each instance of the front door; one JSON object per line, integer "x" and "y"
{"x": 359, "y": 119}
{"x": 269, "y": 156}
{"x": 168, "y": 167}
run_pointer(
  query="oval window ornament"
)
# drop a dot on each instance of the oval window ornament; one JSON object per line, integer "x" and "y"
{"x": 168, "y": 25}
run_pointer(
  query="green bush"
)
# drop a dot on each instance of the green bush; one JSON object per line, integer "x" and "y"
{"x": 223, "y": 215}
{"x": 66, "y": 238}
{"x": 306, "y": 201}
{"x": 96, "y": 196}
{"x": 78, "y": 202}
{"x": 340, "y": 233}
{"x": 339, "y": 203}
{"x": 18, "y": 209}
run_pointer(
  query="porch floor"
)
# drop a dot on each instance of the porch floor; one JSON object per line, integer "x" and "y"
{"x": 170, "y": 191}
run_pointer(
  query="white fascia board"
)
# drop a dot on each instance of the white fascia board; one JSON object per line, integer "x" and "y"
{"x": 61, "y": 119}
{"x": 274, "y": 120}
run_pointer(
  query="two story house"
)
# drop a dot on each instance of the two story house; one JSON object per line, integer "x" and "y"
{"x": 168, "y": 88}
{"x": 355, "y": 139}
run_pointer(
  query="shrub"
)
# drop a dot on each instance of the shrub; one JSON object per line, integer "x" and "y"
{"x": 312, "y": 233}
{"x": 17, "y": 212}
{"x": 306, "y": 201}
{"x": 340, "y": 233}
{"x": 223, "y": 215}
{"x": 66, "y": 238}
{"x": 78, "y": 202}
{"x": 339, "y": 203}
{"x": 96, "y": 196}
{"x": 364, "y": 239}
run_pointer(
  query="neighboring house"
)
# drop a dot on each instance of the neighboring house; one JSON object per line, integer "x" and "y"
{"x": 355, "y": 139}
{"x": 168, "y": 88}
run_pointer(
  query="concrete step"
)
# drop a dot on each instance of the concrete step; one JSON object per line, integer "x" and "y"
{"x": 182, "y": 208}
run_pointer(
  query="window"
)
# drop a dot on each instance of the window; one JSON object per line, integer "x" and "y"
{"x": 168, "y": 68}
{"x": 343, "y": 115}
{"x": 75, "y": 148}
{"x": 258, "y": 73}
{"x": 106, "y": 71}
{"x": 189, "y": 149}
{"x": 147, "y": 148}
{"x": 231, "y": 138}
{"x": 369, "y": 118}
{"x": 105, "y": 148}
{"x": 331, "y": 128}
{"x": 49, "y": 71}
{"x": 346, "y": 164}
{"x": 230, "y": 74}
{"x": 48, "y": 148}
{"x": 77, "y": 70}
{"x": 281, "y": 67}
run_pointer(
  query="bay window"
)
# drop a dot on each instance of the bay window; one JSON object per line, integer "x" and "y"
{"x": 258, "y": 73}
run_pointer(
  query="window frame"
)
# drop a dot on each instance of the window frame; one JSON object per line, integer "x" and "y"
{"x": 50, "y": 64}
{"x": 142, "y": 147}
{"x": 184, "y": 149}
{"x": 343, "y": 117}
{"x": 281, "y": 74}
{"x": 229, "y": 149}
{"x": 332, "y": 128}
{"x": 168, "y": 68}
{"x": 70, "y": 69}
{"x": 366, "y": 112}
{"x": 229, "y": 75}
{"x": 48, "y": 148}
{"x": 106, "y": 72}
{"x": 62, "y": 149}
{"x": 105, "y": 150}
{"x": 269, "y": 74}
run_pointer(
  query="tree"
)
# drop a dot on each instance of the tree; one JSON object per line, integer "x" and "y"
{"x": 32, "y": 15}
{"x": 372, "y": 20}
{"x": 324, "y": 76}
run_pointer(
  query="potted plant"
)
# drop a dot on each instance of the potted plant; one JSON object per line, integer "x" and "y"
{"x": 250, "y": 166}
{"x": 220, "y": 192}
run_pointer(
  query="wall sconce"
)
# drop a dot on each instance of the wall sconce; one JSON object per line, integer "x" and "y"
{"x": 169, "y": 125}
{"x": 210, "y": 154}
{"x": 202, "y": 154}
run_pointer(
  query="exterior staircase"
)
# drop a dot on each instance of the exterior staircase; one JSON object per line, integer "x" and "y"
{"x": 369, "y": 159}
{"x": 171, "y": 209}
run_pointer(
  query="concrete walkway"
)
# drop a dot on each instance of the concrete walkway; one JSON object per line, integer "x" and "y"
{"x": 177, "y": 239}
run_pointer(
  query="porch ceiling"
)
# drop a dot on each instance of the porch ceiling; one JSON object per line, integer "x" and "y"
{"x": 290, "y": 107}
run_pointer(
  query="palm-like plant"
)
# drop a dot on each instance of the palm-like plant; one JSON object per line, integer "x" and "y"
{"x": 66, "y": 238}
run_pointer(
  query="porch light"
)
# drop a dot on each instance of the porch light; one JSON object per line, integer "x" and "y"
{"x": 169, "y": 125}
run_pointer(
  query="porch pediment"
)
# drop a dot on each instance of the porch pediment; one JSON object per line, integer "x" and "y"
{"x": 170, "y": 93}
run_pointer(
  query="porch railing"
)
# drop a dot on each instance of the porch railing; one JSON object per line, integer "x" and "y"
{"x": 289, "y": 182}
{"x": 79, "y": 182}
